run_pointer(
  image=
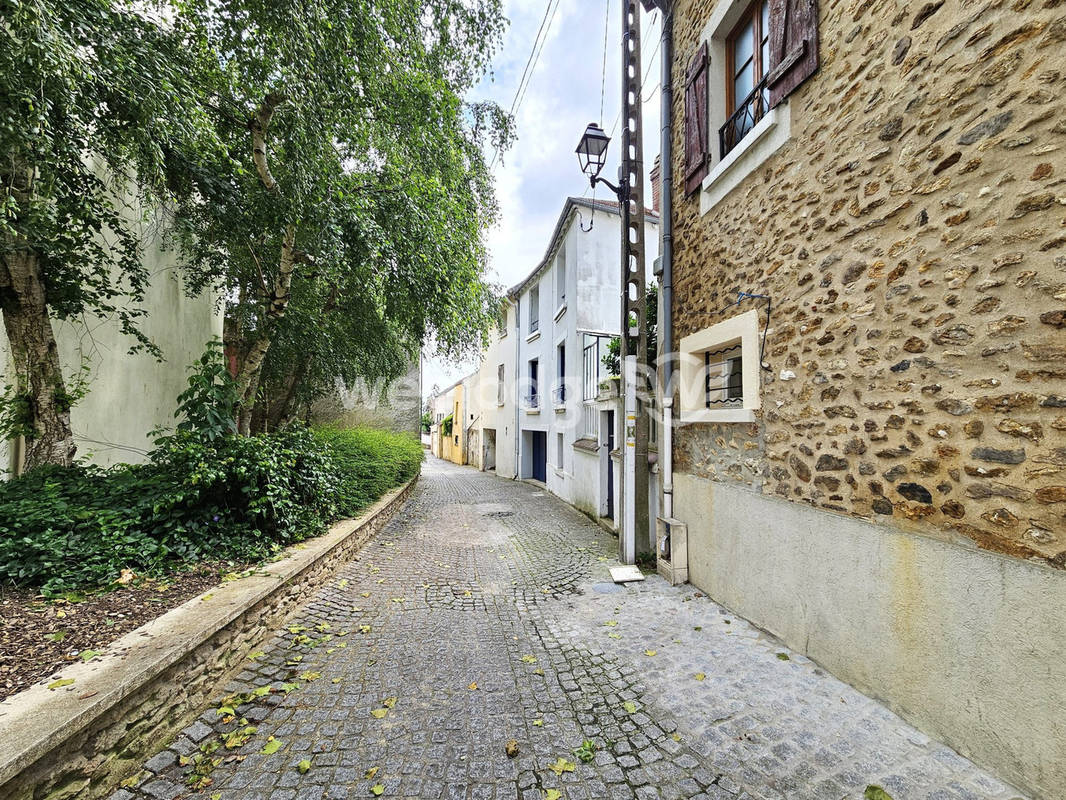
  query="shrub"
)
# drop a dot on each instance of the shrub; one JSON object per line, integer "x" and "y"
{"x": 197, "y": 499}
{"x": 369, "y": 463}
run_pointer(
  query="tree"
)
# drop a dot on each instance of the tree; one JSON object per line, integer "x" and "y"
{"x": 345, "y": 223}
{"x": 96, "y": 98}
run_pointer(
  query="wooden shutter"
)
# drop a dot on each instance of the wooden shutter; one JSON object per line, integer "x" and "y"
{"x": 793, "y": 46}
{"x": 697, "y": 156}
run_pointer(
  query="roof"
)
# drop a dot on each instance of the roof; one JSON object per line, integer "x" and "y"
{"x": 608, "y": 206}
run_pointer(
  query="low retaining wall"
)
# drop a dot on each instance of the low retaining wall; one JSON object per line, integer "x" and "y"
{"x": 81, "y": 740}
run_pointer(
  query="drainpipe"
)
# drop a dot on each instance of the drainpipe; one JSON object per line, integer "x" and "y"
{"x": 517, "y": 403}
{"x": 666, "y": 224}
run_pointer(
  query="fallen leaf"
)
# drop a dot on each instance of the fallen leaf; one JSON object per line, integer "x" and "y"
{"x": 700, "y": 676}
{"x": 630, "y": 706}
{"x": 60, "y": 683}
{"x": 272, "y": 746}
{"x": 336, "y": 680}
{"x": 310, "y": 676}
{"x": 650, "y": 652}
{"x": 125, "y": 577}
{"x": 377, "y": 789}
{"x": 87, "y": 655}
{"x": 379, "y": 713}
{"x": 370, "y": 773}
{"x": 364, "y": 594}
{"x": 539, "y": 723}
{"x": 613, "y": 635}
{"x": 552, "y": 794}
{"x": 562, "y": 765}
{"x": 57, "y": 637}
{"x": 303, "y": 766}
{"x": 342, "y": 583}
{"x": 529, "y": 659}
{"x": 364, "y": 629}
{"x": 875, "y": 793}
{"x": 389, "y": 702}
{"x": 256, "y": 655}
{"x": 782, "y": 656}
{"x": 511, "y": 748}
{"x": 611, "y": 623}
{"x": 473, "y": 686}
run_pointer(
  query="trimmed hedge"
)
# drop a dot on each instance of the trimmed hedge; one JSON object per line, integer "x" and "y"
{"x": 232, "y": 499}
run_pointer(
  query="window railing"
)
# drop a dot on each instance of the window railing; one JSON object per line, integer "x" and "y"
{"x": 534, "y": 325}
{"x": 531, "y": 399}
{"x": 559, "y": 396}
{"x": 748, "y": 113}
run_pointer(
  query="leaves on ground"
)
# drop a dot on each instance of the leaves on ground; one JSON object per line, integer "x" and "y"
{"x": 272, "y": 746}
{"x": 875, "y": 793}
{"x": 630, "y": 706}
{"x": 342, "y": 583}
{"x": 473, "y": 686}
{"x": 511, "y": 748}
{"x": 60, "y": 683}
{"x": 379, "y": 713}
{"x": 782, "y": 657}
{"x": 310, "y": 676}
{"x": 56, "y": 637}
{"x": 303, "y": 766}
{"x": 87, "y": 655}
{"x": 611, "y": 623}
{"x": 364, "y": 629}
{"x": 256, "y": 655}
{"x": 613, "y": 635}
{"x": 377, "y": 789}
{"x": 389, "y": 702}
{"x": 700, "y": 676}
{"x": 529, "y": 659}
{"x": 650, "y": 652}
{"x": 561, "y": 765}
{"x": 370, "y": 773}
{"x": 552, "y": 794}
{"x": 539, "y": 723}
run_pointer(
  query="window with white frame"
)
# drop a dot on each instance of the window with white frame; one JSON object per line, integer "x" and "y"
{"x": 720, "y": 371}
{"x": 534, "y": 309}
{"x": 560, "y": 449}
{"x": 751, "y": 56}
{"x": 499, "y": 385}
{"x": 560, "y": 277}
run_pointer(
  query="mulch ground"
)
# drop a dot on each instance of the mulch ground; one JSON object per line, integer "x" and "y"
{"x": 38, "y": 637}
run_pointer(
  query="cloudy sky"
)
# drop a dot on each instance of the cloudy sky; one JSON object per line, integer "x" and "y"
{"x": 563, "y": 95}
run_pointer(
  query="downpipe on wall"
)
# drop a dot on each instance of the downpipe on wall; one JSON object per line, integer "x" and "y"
{"x": 666, "y": 226}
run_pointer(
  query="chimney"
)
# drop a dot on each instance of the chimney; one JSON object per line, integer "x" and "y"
{"x": 656, "y": 184}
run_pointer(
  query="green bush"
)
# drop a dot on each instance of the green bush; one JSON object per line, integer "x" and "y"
{"x": 230, "y": 498}
{"x": 369, "y": 463}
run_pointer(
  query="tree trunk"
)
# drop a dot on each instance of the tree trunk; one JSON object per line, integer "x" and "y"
{"x": 38, "y": 375}
{"x": 39, "y": 385}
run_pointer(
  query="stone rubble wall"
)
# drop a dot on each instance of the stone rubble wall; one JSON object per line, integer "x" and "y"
{"x": 89, "y": 753}
{"x": 912, "y": 235}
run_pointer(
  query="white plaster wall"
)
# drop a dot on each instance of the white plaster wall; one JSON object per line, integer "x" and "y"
{"x": 131, "y": 395}
{"x": 967, "y": 645}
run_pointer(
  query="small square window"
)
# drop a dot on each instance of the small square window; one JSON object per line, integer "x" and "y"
{"x": 720, "y": 371}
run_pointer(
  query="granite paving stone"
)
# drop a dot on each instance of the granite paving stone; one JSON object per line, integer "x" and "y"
{"x": 472, "y": 619}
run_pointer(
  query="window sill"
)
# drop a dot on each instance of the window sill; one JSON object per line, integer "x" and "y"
{"x": 561, "y": 310}
{"x": 533, "y": 411}
{"x": 560, "y": 409}
{"x": 720, "y": 415}
{"x": 765, "y": 139}
{"x": 533, "y": 336}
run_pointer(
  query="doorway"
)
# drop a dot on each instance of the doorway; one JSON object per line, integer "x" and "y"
{"x": 538, "y": 441}
{"x": 607, "y": 464}
{"x": 489, "y": 460}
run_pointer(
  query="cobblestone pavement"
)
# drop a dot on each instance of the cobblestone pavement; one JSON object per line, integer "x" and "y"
{"x": 483, "y": 613}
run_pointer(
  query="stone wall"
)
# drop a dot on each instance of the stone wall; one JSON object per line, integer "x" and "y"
{"x": 912, "y": 235}
{"x": 80, "y": 742}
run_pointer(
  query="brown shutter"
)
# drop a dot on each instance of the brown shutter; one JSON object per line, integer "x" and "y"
{"x": 697, "y": 156}
{"x": 793, "y": 46}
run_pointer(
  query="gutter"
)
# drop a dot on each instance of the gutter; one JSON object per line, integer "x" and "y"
{"x": 517, "y": 398}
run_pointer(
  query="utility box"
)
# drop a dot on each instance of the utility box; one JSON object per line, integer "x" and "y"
{"x": 671, "y": 550}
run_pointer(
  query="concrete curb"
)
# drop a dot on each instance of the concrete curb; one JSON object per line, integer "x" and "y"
{"x": 80, "y": 740}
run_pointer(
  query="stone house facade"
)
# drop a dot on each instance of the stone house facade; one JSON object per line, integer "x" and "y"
{"x": 869, "y": 277}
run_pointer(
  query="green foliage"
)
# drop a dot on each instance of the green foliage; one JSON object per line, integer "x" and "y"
{"x": 208, "y": 407}
{"x": 612, "y": 359}
{"x": 368, "y": 463}
{"x": 446, "y": 425}
{"x": 225, "y": 499}
{"x": 99, "y": 78}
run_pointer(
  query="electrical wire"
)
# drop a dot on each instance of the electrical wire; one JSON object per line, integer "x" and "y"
{"x": 531, "y": 63}
{"x": 647, "y": 73}
{"x": 603, "y": 74}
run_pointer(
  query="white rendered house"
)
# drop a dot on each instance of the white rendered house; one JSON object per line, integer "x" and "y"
{"x": 566, "y": 312}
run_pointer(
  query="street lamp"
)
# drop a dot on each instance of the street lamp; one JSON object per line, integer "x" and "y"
{"x": 592, "y": 155}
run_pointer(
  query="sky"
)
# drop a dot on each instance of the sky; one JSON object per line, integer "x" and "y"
{"x": 563, "y": 96}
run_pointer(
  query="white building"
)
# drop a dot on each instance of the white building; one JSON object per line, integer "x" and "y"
{"x": 567, "y": 311}
{"x": 492, "y": 395}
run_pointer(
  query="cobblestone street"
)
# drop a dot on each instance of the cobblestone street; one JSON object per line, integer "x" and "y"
{"x": 484, "y": 613}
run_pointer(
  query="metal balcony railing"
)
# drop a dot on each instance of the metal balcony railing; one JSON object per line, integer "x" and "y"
{"x": 748, "y": 113}
{"x": 534, "y": 325}
{"x": 559, "y": 396}
{"x": 531, "y": 399}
